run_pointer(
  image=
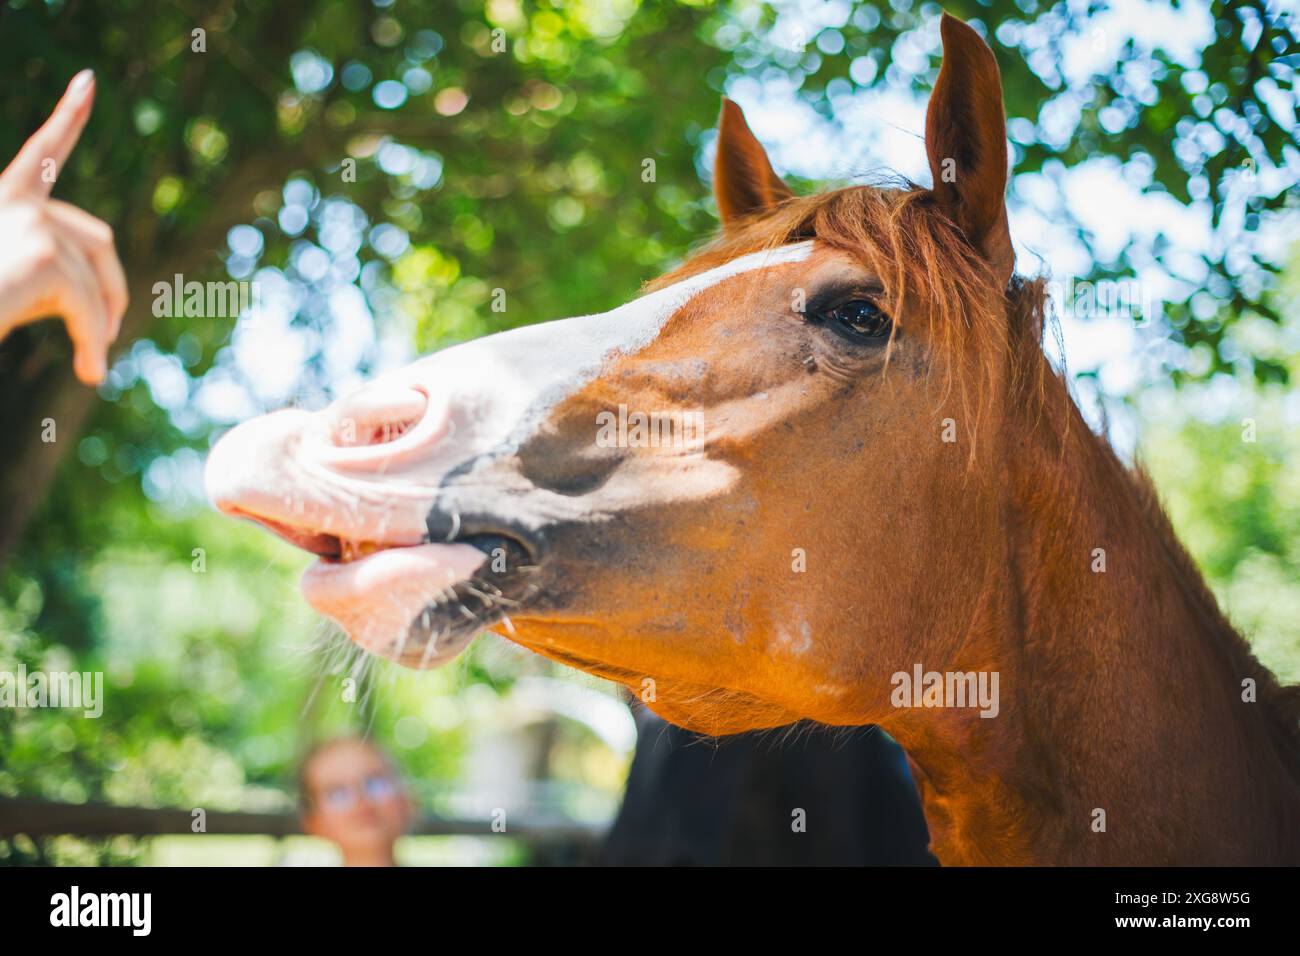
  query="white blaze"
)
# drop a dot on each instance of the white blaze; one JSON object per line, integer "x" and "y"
{"x": 484, "y": 397}
{"x": 498, "y": 388}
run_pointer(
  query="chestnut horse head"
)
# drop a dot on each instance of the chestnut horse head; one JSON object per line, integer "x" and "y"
{"x": 825, "y": 451}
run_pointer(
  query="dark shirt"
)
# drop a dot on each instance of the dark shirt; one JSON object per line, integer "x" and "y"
{"x": 733, "y": 801}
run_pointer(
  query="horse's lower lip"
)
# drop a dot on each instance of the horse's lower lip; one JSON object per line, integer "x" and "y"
{"x": 376, "y": 597}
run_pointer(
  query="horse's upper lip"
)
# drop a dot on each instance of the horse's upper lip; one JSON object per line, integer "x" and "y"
{"x": 319, "y": 543}
{"x": 332, "y": 547}
{"x": 323, "y": 544}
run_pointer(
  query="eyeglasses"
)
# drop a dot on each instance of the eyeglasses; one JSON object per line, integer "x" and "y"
{"x": 376, "y": 787}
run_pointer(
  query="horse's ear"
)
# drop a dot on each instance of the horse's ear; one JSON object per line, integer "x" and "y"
{"x": 743, "y": 179}
{"x": 966, "y": 142}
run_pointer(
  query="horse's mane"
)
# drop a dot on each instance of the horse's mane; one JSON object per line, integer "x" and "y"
{"x": 918, "y": 252}
{"x": 1280, "y": 702}
{"x": 1039, "y": 386}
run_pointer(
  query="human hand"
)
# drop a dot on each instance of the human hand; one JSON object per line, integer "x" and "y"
{"x": 55, "y": 259}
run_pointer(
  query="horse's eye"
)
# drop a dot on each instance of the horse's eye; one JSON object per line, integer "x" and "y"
{"x": 861, "y": 320}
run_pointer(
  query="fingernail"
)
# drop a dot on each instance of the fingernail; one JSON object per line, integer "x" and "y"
{"x": 81, "y": 82}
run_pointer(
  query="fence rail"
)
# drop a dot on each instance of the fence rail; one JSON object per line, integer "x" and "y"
{"x": 42, "y": 818}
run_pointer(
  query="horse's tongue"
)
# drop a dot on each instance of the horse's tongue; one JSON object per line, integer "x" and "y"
{"x": 376, "y": 598}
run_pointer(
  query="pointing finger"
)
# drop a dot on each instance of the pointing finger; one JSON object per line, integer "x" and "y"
{"x": 26, "y": 175}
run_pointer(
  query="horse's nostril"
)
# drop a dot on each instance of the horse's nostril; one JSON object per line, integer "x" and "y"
{"x": 376, "y": 416}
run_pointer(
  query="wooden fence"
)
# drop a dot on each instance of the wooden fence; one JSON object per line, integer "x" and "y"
{"x": 555, "y": 839}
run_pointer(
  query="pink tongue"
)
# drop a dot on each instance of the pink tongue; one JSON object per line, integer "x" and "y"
{"x": 376, "y": 598}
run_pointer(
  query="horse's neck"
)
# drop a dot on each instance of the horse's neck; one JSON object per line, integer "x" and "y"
{"x": 1123, "y": 736}
{"x": 1127, "y": 709}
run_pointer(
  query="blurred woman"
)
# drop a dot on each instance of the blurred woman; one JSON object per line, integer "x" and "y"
{"x": 353, "y": 796}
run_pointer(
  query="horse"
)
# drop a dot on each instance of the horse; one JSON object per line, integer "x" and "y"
{"x": 821, "y": 471}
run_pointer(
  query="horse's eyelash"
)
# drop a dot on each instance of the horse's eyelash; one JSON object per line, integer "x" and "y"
{"x": 832, "y": 299}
